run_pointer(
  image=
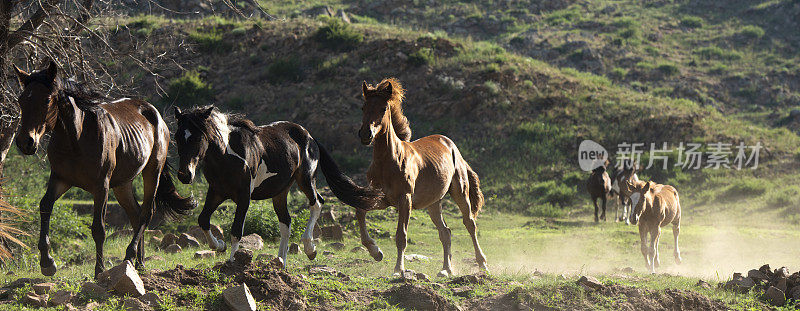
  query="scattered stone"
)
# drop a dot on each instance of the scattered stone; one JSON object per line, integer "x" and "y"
{"x": 34, "y": 300}
{"x": 94, "y": 291}
{"x": 123, "y": 280}
{"x": 43, "y": 288}
{"x": 358, "y": 249}
{"x": 204, "y": 254}
{"x": 186, "y": 240}
{"x": 775, "y": 296}
{"x": 782, "y": 272}
{"x": 590, "y": 282}
{"x": 703, "y": 284}
{"x": 795, "y": 293}
{"x": 133, "y": 304}
{"x": 739, "y": 283}
{"x": 467, "y": 279}
{"x": 151, "y": 300}
{"x": 422, "y": 277}
{"x": 238, "y": 298}
{"x": 781, "y": 284}
{"x": 757, "y": 275}
{"x": 252, "y": 241}
{"x": 173, "y": 249}
{"x": 343, "y": 15}
{"x": 168, "y": 240}
{"x": 243, "y": 257}
{"x": 61, "y": 297}
{"x": 277, "y": 262}
{"x": 332, "y": 233}
{"x": 337, "y": 246}
{"x": 294, "y": 248}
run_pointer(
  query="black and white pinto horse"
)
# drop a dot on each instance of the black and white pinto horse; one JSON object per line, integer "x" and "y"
{"x": 626, "y": 200}
{"x": 243, "y": 162}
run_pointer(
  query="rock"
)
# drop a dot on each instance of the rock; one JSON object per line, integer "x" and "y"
{"x": 155, "y": 241}
{"x": 757, "y": 275}
{"x": 61, "y": 297}
{"x": 590, "y": 282}
{"x": 782, "y": 272}
{"x": 91, "y": 306}
{"x": 781, "y": 284}
{"x": 337, "y": 246}
{"x": 775, "y": 296}
{"x": 43, "y": 288}
{"x": 277, "y": 262}
{"x": 94, "y": 291}
{"x": 204, "y": 254}
{"x": 173, "y": 249}
{"x": 739, "y": 283}
{"x": 200, "y": 235}
{"x": 795, "y": 293}
{"x": 764, "y": 269}
{"x": 243, "y": 257}
{"x": 422, "y": 277}
{"x": 238, "y": 298}
{"x": 151, "y": 300}
{"x": 358, "y": 249}
{"x": 123, "y": 280}
{"x": 186, "y": 241}
{"x": 327, "y": 217}
{"x": 794, "y": 114}
{"x": 252, "y": 241}
{"x": 133, "y": 304}
{"x": 703, "y": 284}
{"x": 294, "y": 248}
{"x": 409, "y": 275}
{"x": 332, "y": 233}
{"x": 168, "y": 240}
{"x": 34, "y": 300}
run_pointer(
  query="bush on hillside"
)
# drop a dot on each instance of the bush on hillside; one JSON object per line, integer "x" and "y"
{"x": 692, "y": 22}
{"x": 188, "y": 90}
{"x": 336, "y": 34}
{"x": 285, "y": 70}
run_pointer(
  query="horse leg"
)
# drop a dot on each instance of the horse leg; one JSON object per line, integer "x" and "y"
{"x": 279, "y": 204}
{"x": 237, "y": 228}
{"x": 651, "y": 250}
{"x": 645, "y": 250}
{"x": 617, "y": 205}
{"x": 307, "y": 184}
{"x": 676, "y": 230}
{"x": 150, "y": 176}
{"x": 99, "y": 227}
{"x": 435, "y": 212}
{"x": 461, "y": 196}
{"x": 604, "y": 207}
{"x": 55, "y": 189}
{"x": 594, "y": 200}
{"x": 403, "y": 215}
{"x": 213, "y": 200}
{"x": 366, "y": 240}
{"x": 627, "y": 208}
{"x": 657, "y": 261}
{"x": 127, "y": 200}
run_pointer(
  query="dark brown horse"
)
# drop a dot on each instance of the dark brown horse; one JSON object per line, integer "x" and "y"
{"x": 599, "y": 186}
{"x": 96, "y": 146}
{"x": 414, "y": 174}
{"x": 243, "y": 162}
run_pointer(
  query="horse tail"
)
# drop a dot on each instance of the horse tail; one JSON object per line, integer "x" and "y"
{"x": 364, "y": 198}
{"x": 168, "y": 201}
{"x": 475, "y": 194}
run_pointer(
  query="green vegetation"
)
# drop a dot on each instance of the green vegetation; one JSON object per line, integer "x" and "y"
{"x": 423, "y": 56}
{"x": 285, "y": 69}
{"x": 188, "y": 90}
{"x": 336, "y": 34}
{"x": 692, "y": 22}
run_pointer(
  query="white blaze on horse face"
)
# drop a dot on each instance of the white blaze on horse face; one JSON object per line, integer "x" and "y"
{"x": 186, "y": 134}
{"x": 261, "y": 175}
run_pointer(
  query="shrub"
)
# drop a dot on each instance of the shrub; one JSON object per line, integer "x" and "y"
{"x": 188, "y": 90}
{"x": 423, "y": 56}
{"x": 210, "y": 40}
{"x": 715, "y": 52}
{"x": 668, "y": 69}
{"x": 261, "y": 219}
{"x": 752, "y": 32}
{"x": 545, "y": 210}
{"x": 745, "y": 188}
{"x": 619, "y": 73}
{"x": 692, "y": 22}
{"x": 491, "y": 87}
{"x": 784, "y": 197}
{"x": 285, "y": 69}
{"x": 144, "y": 24}
{"x": 337, "y": 34}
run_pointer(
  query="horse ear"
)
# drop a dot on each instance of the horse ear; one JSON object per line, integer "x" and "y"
{"x": 647, "y": 186}
{"x": 52, "y": 70}
{"x": 22, "y": 76}
{"x": 208, "y": 111}
{"x": 386, "y": 90}
{"x": 177, "y": 111}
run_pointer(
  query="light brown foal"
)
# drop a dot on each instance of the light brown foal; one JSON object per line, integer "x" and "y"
{"x": 658, "y": 206}
{"x": 414, "y": 174}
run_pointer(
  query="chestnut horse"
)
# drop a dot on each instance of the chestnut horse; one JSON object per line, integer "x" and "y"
{"x": 97, "y": 146}
{"x": 658, "y": 206}
{"x": 414, "y": 174}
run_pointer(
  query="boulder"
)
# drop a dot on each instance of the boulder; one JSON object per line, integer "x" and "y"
{"x": 252, "y": 241}
{"x": 337, "y": 246}
{"x": 168, "y": 240}
{"x": 204, "y": 254}
{"x": 739, "y": 283}
{"x": 757, "y": 275}
{"x": 34, "y": 300}
{"x": 173, "y": 249}
{"x": 422, "y": 277}
{"x": 243, "y": 257}
{"x": 151, "y": 300}
{"x": 782, "y": 272}
{"x": 294, "y": 248}
{"x": 238, "y": 298}
{"x": 334, "y": 233}
{"x": 133, "y": 304}
{"x": 94, "y": 291}
{"x": 61, "y": 297}
{"x": 795, "y": 293}
{"x": 43, "y": 288}
{"x": 775, "y": 296}
{"x": 186, "y": 241}
{"x": 590, "y": 282}
{"x": 123, "y": 280}
{"x": 200, "y": 235}
{"x": 781, "y": 284}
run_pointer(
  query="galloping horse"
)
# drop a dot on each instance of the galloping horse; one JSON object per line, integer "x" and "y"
{"x": 414, "y": 174}
{"x": 97, "y": 146}
{"x": 243, "y": 162}
{"x": 599, "y": 186}
{"x": 627, "y": 199}
{"x": 658, "y": 206}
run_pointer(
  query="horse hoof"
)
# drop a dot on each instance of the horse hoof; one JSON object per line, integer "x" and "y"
{"x": 443, "y": 274}
{"x": 378, "y": 256}
{"x": 49, "y": 271}
{"x": 311, "y": 256}
{"x": 678, "y": 261}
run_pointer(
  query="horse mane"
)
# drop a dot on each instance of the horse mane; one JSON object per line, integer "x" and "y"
{"x": 217, "y": 127}
{"x": 395, "y": 100}
{"x": 84, "y": 96}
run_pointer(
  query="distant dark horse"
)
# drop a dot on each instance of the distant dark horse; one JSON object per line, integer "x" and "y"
{"x": 599, "y": 186}
{"x": 243, "y": 162}
{"x": 96, "y": 146}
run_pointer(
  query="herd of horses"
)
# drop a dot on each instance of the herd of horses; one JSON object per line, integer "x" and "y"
{"x": 99, "y": 145}
{"x": 648, "y": 204}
